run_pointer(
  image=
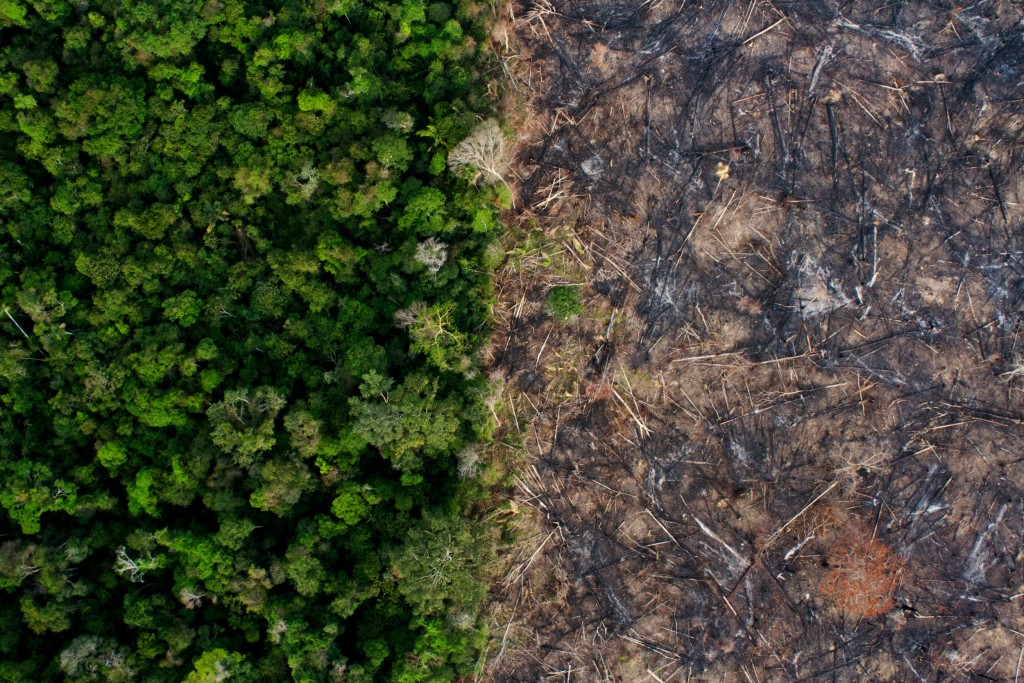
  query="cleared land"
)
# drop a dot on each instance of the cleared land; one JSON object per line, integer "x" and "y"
{"x": 782, "y": 441}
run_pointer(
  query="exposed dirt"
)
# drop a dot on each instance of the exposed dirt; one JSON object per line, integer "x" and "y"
{"x": 796, "y": 228}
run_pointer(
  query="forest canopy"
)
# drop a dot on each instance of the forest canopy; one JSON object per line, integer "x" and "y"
{"x": 243, "y": 294}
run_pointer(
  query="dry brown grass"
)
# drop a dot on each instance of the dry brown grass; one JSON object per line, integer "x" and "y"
{"x": 864, "y": 576}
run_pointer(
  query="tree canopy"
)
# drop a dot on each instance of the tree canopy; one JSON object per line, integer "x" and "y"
{"x": 221, "y": 456}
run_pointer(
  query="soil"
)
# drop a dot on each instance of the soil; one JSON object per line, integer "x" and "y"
{"x": 796, "y": 227}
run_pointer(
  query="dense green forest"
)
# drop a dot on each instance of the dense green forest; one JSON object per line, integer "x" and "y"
{"x": 243, "y": 296}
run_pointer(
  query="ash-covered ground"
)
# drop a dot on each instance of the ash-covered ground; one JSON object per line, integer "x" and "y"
{"x": 782, "y": 442}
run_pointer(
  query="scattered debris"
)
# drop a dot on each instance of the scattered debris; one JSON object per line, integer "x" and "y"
{"x": 802, "y": 258}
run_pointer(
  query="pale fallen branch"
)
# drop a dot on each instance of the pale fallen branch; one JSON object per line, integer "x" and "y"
{"x": 715, "y": 537}
{"x": 774, "y": 537}
{"x": 522, "y": 569}
{"x": 658, "y": 522}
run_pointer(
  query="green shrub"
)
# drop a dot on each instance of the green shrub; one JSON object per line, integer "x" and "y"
{"x": 564, "y": 302}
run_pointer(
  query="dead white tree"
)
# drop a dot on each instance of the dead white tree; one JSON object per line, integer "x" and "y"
{"x": 136, "y": 570}
{"x": 469, "y": 462}
{"x": 486, "y": 150}
{"x": 276, "y": 630}
{"x": 191, "y": 599}
{"x": 307, "y": 180}
{"x": 432, "y": 253}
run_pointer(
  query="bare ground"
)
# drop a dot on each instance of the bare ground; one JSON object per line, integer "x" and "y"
{"x": 796, "y": 228}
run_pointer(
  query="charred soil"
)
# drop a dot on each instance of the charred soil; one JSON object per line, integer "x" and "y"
{"x": 782, "y": 441}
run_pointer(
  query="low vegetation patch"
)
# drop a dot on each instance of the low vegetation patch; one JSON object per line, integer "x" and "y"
{"x": 564, "y": 302}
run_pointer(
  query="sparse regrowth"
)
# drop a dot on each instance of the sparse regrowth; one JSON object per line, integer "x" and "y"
{"x": 564, "y": 302}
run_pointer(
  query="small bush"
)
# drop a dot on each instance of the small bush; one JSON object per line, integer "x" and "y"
{"x": 564, "y": 303}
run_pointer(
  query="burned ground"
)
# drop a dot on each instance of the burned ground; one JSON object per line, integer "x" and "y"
{"x": 797, "y": 231}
